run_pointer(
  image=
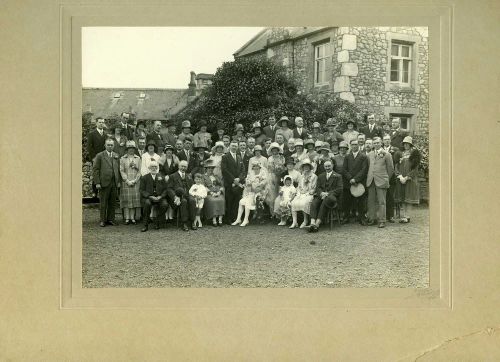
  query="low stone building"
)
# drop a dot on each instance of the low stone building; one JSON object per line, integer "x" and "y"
{"x": 383, "y": 70}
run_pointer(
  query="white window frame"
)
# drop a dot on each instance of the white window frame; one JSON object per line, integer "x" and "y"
{"x": 400, "y": 59}
{"x": 409, "y": 118}
{"x": 321, "y": 60}
{"x": 413, "y": 84}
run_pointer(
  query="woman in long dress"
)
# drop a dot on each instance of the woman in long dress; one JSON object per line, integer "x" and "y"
{"x": 148, "y": 157}
{"x": 304, "y": 197}
{"x": 215, "y": 201}
{"x": 130, "y": 198}
{"x": 254, "y": 193}
{"x": 407, "y": 190}
{"x": 275, "y": 167}
{"x": 300, "y": 154}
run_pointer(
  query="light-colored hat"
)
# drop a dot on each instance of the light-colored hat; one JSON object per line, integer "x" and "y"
{"x": 298, "y": 119}
{"x": 210, "y": 163}
{"x": 186, "y": 124}
{"x": 284, "y": 118}
{"x": 256, "y": 164}
{"x": 238, "y": 127}
{"x": 331, "y": 122}
{"x": 306, "y": 162}
{"x": 130, "y": 144}
{"x": 218, "y": 144}
{"x": 256, "y": 125}
{"x": 257, "y": 148}
{"x": 287, "y": 177}
{"x": 357, "y": 190}
{"x": 308, "y": 142}
{"x": 316, "y": 125}
{"x": 318, "y": 144}
{"x": 408, "y": 139}
{"x": 299, "y": 142}
{"x": 343, "y": 144}
{"x": 325, "y": 147}
{"x": 274, "y": 145}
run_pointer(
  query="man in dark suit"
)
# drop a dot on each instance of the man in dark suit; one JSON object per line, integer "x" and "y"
{"x": 354, "y": 172}
{"x": 389, "y": 210}
{"x": 397, "y": 134}
{"x": 244, "y": 154}
{"x": 299, "y": 131}
{"x": 154, "y": 193}
{"x": 127, "y": 131}
{"x": 179, "y": 184}
{"x": 168, "y": 133}
{"x": 327, "y": 196}
{"x": 95, "y": 143}
{"x": 233, "y": 174}
{"x": 270, "y": 129}
{"x": 187, "y": 154}
{"x": 156, "y": 136}
{"x": 371, "y": 130}
{"x": 107, "y": 178}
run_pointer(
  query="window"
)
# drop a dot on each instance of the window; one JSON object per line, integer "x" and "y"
{"x": 401, "y": 62}
{"x": 321, "y": 56}
{"x": 405, "y": 120}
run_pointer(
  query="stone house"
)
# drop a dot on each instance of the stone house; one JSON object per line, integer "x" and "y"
{"x": 383, "y": 70}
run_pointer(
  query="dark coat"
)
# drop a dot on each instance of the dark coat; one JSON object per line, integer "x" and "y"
{"x": 150, "y": 187}
{"x": 95, "y": 143}
{"x": 198, "y": 163}
{"x": 246, "y": 160}
{"x": 105, "y": 168}
{"x": 397, "y": 138}
{"x": 355, "y": 168}
{"x": 168, "y": 170}
{"x": 157, "y": 138}
{"x": 377, "y": 131}
{"x": 232, "y": 169}
{"x": 192, "y": 159}
{"x": 269, "y": 132}
{"x": 333, "y": 185}
{"x": 177, "y": 186}
{"x": 304, "y": 135}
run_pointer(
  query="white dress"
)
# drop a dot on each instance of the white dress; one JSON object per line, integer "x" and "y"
{"x": 255, "y": 186}
{"x": 282, "y": 206}
{"x": 199, "y": 192}
{"x": 305, "y": 191}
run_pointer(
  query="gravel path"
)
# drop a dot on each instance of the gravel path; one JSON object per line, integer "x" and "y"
{"x": 256, "y": 256}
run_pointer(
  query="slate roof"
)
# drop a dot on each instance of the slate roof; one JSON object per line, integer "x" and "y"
{"x": 147, "y": 103}
{"x": 204, "y": 76}
{"x": 259, "y": 41}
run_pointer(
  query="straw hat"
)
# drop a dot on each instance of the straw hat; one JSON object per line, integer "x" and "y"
{"x": 239, "y": 127}
{"x": 408, "y": 139}
{"x": 357, "y": 190}
{"x": 130, "y": 144}
{"x": 218, "y": 144}
{"x": 306, "y": 162}
{"x": 316, "y": 125}
{"x": 284, "y": 119}
{"x": 318, "y": 144}
{"x": 299, "y": 142}
{"x": 256, "y": 125}
{"x": 308, "y": 142}
{"x": 343, "y": 144}
{"x": 274, "y": 145}
{"x": 331, "y": 122}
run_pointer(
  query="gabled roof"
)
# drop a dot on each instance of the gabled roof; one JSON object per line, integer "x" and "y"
{"x": 147, "y": 103}
{"x": 260, "y": 41}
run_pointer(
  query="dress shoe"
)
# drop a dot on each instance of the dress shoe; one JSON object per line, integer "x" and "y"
{"x": 194, "y": 227}
{"x": 237, "y": 222}
{"x": 293, "y": 226}
{"x": 127, "y": 222}
{"x": 370, "y": 222}
{"x": 133, "y": 222}
{"x": 185, "y": 228}
{"x": 244, "y": 223}
{"x": 112, "y": 223}
{"x": 145, "y": 228}
{"x": 102, "y": 224}
{"x": 303, "y": 225}
{"x": 220, "y": 224}
{"x": 381, "y": 225}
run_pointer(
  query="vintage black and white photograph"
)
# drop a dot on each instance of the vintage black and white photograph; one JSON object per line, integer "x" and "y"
{"x": 250, "y": 157}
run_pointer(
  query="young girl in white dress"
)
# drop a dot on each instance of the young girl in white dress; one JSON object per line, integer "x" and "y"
{"x": 283, "y": 203}
{"x": 199, "y": 192}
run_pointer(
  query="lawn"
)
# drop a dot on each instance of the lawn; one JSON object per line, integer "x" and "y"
{"x": 347, "y": 256}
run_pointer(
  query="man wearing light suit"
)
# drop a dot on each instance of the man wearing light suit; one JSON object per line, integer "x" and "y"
{"x": 107, "y": 180}
{"x": 380, "y": 171}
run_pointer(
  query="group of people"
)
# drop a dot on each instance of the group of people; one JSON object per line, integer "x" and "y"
{"x": 276, "y": 171}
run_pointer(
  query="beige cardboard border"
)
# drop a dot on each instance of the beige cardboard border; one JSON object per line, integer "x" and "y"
{"x": 35, "y": 328}
{"x": 438, "y": 295}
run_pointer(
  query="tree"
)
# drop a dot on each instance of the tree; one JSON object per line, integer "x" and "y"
{"x": 249, "y": 90}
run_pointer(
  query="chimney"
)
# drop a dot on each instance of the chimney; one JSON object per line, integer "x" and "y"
{"x": 192, "y": 85}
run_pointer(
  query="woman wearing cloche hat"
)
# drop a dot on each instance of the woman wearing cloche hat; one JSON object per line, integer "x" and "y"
{"x": 130, "y": 198}
{"x": 186, "y": 131}
{"x": 407, "y": 190}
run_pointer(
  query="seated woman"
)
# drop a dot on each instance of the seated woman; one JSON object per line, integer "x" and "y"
{"x": 407, "y": 190}
{"x": 283, "y": 203}
{"x": 305, "y": 194}
{"x": 258, "y": 157}
{"x": 254, "y": 193}
{"x": 300, "y": 154}
{"x": 215, "y": 204}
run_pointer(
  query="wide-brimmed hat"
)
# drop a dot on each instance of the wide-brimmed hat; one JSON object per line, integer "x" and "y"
{"x": 210, "y": 163}
{"x": 186, "y": 124}
{"x": 168, "y": 147}
{"x": 325, "y": 147}
{"x": 218, "y": 144}
{"x": 226, "y": 136}
{"x": 274, "y": 145}
{"x": 299, "y": 142}
{"x": 318, "y": 144}
{"x": 257, "y": 148}
{"x": 255, "y": 164}
{"x": 343, "y": 144}
{"x": 287, "y": 177}
{"x": 330, "y": 202}
{"x": 152, "y": 143}
{"x": 408, "y": 139}
{"x": 357, "y": 190}
{"x": 352, "y": 122}
{"x": 130, "y": 144}
{"x": 308, "y": 142}
{"x": 188, "y": 138}
{"x": 331, "y": 122}
{"x": 256, "y": 125}
{"x": 306, "y": 162}
{"x": 239, "y": 127}
{"x": 284, "y": 119}
{"x": 316, "y": 125}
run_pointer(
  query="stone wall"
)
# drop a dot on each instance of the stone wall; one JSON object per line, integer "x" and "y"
{"x": 87, "y": 180}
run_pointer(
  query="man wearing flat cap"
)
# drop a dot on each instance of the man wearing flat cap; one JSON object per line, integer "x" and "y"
{"x": 107, "y": 178}
{"x": 328, "y": 195}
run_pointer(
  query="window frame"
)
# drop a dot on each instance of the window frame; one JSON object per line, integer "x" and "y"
{"x": 409, "y": 118}
{"x": 400, "y": 59}
{"x": 324, "y": 59}
{"x": 413, "y": 41}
